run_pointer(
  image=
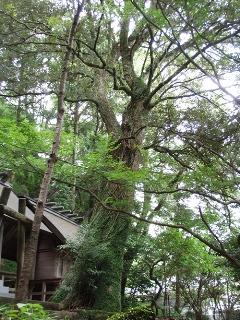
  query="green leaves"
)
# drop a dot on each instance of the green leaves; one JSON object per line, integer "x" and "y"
{"x": 54, "y": 21}
{"x": 23, "y": 151}
{"x": 23, "y": 311}
{"x": 137, "y": 313}
{"x": 10, "y": 8}
{"x": 100, "y": 163}
{"x": 156, "y": 16}
{"x": 128, "y": 10}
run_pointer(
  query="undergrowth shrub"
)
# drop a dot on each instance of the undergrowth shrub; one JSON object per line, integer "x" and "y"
{"x": 91, "y": 314}
{"x": 138, "y": 313}
{"x": 28, "y": 311}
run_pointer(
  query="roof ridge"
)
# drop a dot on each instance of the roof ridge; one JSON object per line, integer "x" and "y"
{"x": 55, "y": 212}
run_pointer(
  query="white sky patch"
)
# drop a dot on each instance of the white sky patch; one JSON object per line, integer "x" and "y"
{"x": 228, "y": 82}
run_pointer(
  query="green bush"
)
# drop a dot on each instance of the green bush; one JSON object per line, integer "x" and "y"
{"x": 9, "y": 266}
{"x": 22, "y": 311}
{"x": 89, "y": 314}
{"x": 138, "y": 313}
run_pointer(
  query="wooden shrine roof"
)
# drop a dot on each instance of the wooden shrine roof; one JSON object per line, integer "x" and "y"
{"x": 54, "y": 221}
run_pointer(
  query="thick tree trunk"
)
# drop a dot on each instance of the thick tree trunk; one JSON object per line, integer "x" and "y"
{"x": 132, "y": 252}
{"x": 128, "y": 152}
{"x": 108, "y": 233}
{"x": 31, "y": 248}
{"x": 96, "y": 278}
{"x": 112, "y": 229}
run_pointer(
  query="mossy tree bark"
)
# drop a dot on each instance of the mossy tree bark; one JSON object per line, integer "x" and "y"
{"x": 132, "y": 251}
{"x": 96, "y": 277}
{"x": 111, "y": 230}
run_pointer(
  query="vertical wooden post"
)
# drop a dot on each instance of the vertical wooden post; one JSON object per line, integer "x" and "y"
{"x": 20, "y": 238}
{"x": 3, "y": 200}
{"x": 5, "y": 195}
{"x": 44, "y": 291}
{"x": 1, "y": 238}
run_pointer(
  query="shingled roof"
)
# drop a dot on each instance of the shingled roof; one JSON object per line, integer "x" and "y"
{"x": 62, "y": 223}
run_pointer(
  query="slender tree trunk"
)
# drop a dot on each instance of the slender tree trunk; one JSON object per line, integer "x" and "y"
{"x": 21, "y": 81}
{"x": 74, "y": 152}
{"x": 31, "y": 249}
{"x": 198, "y": 315}
{"x": 177, "y": 294}
{"x": 129, "y": 256}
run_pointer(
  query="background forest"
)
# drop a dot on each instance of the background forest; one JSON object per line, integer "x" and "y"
{"x": 149, "y": 152}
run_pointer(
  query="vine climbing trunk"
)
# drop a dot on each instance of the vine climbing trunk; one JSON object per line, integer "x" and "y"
{"x": 31, "y": 248}
{"x": 112, "y": 230}
{"x": 96, "y": 277}
{"x": 116, "y": 226}
{"x": 132, "y": 251}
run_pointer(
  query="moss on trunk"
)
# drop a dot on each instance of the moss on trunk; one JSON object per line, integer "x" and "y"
{"x": 95, "y": 279}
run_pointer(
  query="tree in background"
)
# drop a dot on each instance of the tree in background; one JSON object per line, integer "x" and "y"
{"x": 32, "y": 244}
{"x": 191, "y": 279}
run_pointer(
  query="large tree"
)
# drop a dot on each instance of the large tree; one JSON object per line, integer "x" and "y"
{"x": 146, "y": 67}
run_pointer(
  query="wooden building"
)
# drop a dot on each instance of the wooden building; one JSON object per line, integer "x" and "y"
{"x": 16, "y": 216}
